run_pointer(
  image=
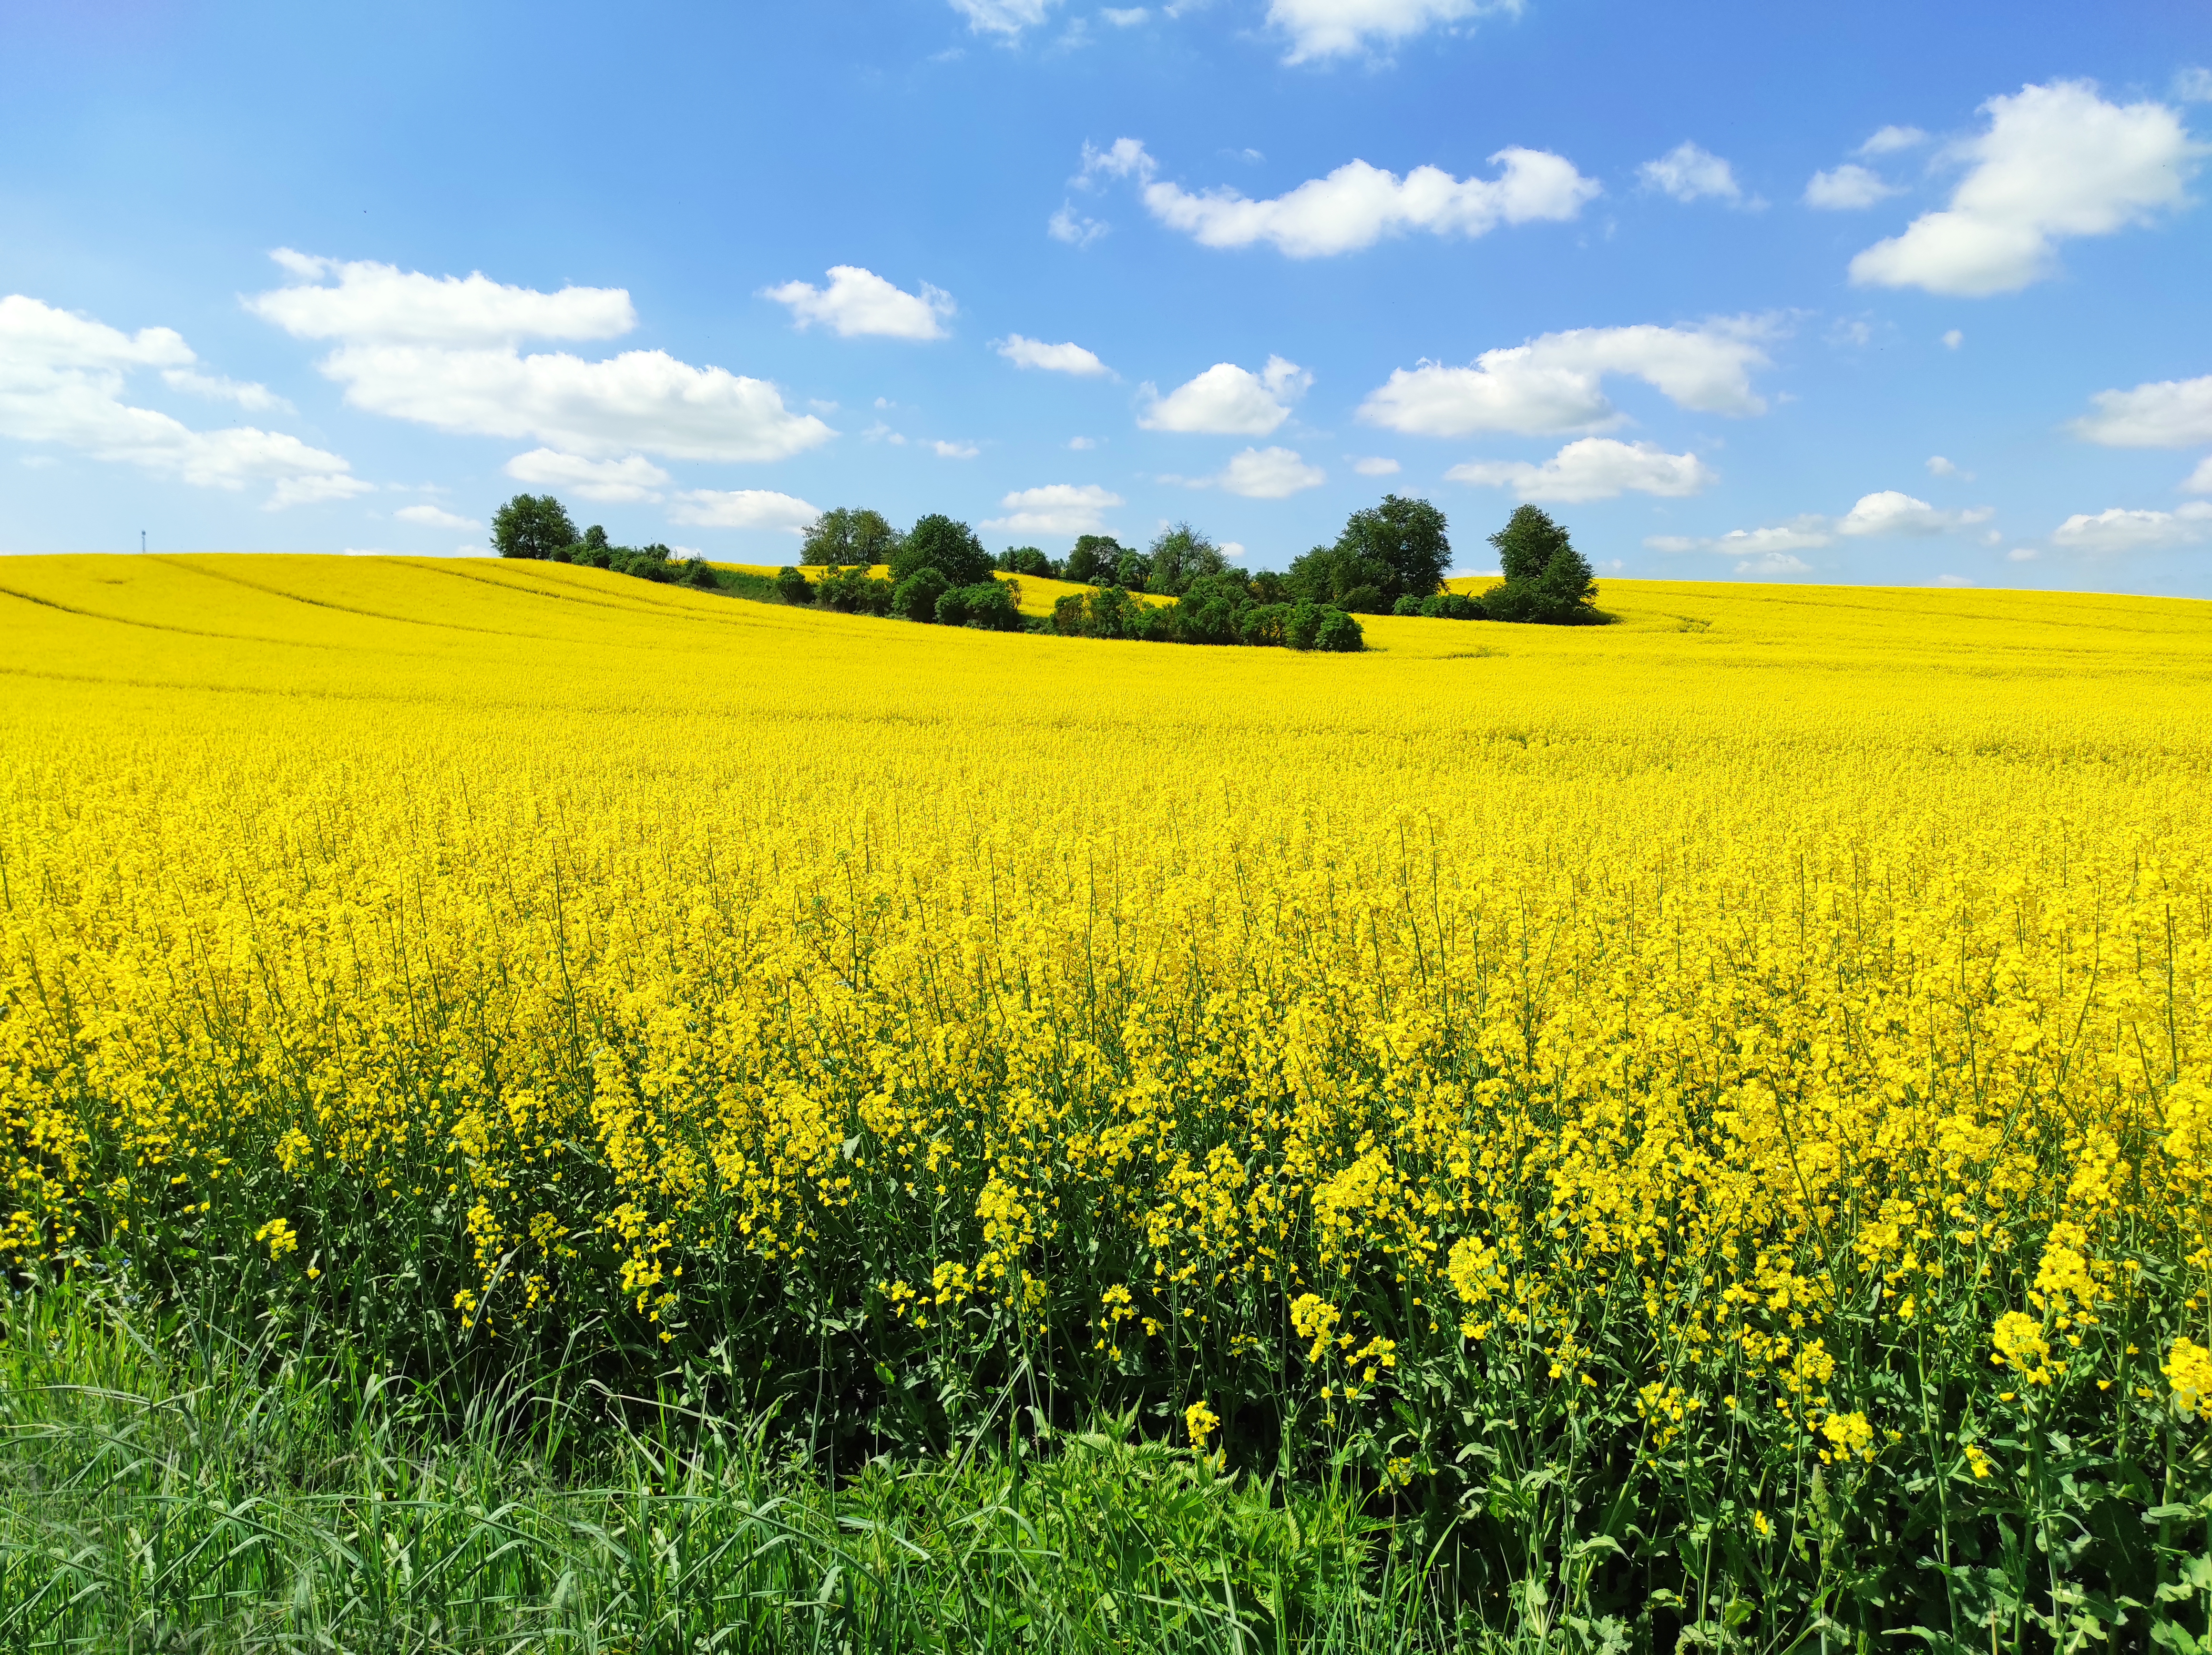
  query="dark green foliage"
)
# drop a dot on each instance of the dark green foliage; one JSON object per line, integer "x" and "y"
{"x": 1526, "y": 544}
{"x": 1338, "y": 634}
{"x": 1094, "y": 559}
{"x": 991, "y": 607}
{"x": 1179, "y": 555}
{"x": 1130, "y": 570}
{"x": 847, "y": 536}
{"x": 1547, "y": 582}
{"x": 940, "y": 542}
{"x": 1269, "y": 587}
{"x": 853, "y": 591}
{"x": 1442, "y": 606}
{"x": 793, "y": 587}
{"x": 1329, "y": 575}
{"x": 532, "y": 525}
{"x": 1263, "y": 625}
{"x": 1405, "y": 537}
{"x": 914, "y": 597}
{"x": 1025, "y": 560}
{"x": 1208, "y": 611}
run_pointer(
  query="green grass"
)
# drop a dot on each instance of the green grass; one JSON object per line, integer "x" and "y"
{"x": 170, "y": 1489}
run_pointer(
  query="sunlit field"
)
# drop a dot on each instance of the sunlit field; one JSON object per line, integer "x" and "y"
{"x": 546, "y": 1111}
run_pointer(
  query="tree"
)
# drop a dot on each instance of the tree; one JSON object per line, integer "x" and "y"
{"x": 1026, "y": 560}
{"x": 914, "y": 599}
{"x": 1338, "y": 634}
{"x": 1094, "y": 557}
{"x": 1546, "y": 580}
{"x": 1131, "y": 571}
{"x": 939, "y": 542}
{"x": 532, "y": 525}
{"x": 849, "y": 536}
{"x": 1403, "y": 538}
{"x": 1209, "y": 609}
{"x": 794, "y": 587}
{"x": 1527, "y": 542}
{"x": 1179, "y": 555}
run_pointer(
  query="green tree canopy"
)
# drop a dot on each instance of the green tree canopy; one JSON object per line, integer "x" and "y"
{"x": 849, "y": 536}
{"x": 1403, "y": 539}
{"x": 1179, "y": 555}
{"x": 940, "y": 542}
{"x": 1093, "y": 559}
{"x": 1527, "y": 542}
{"x": 532, "y": 525}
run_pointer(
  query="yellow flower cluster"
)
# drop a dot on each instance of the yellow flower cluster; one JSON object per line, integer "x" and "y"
{"x": 1705, "y": 1005}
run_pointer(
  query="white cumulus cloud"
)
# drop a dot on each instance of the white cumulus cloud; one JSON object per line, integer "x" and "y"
{"x": 954, "y": 451}
{"x": 1774, "y": 565}
{"x": 1261, "y": 474}
{"x": 1847, "y": 188}
{"x": 859, "y": 303}
{"x": 1939, "y": 467}
{"x": 62, "y": 380}
{"x": 1057, "y": 509}
{"x": 2114, "y": 531}
{"x": 1891, "y": 512}
{"x": 1554, "y": 383}
{"x": 2056, "y": 161}
{"x": 1375, "y": 465}
{"x": 1358, "y": 204}
{"x": 248, "y": 394}
{"x": 1227, "y": 400}
{"x": 1069, "y": 358}
{"x": 2199, "y": 482}
{"x": 1800, "y": 534}
{"x": 633, "y": 477}
{"x": 1594, "y": 468}
{"x": 741, "y": 508}
{"x": 381, "y": 303}
{"x": 2165, "y": 413}
{"x": 1338, "y": 29}
{"x": 1007, "y": 18}
{"x": 445, "y": 353}
{"x": 1691, "y": 173}
{"x": 436, "y": 516}
{"x": 1891, "y": 139}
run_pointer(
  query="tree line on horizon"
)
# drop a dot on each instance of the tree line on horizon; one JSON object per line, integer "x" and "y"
{"x": 1389, "y": 559}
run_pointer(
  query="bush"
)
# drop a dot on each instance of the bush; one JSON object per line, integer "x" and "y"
{"x": 793, "y": 587}
{"x": 1338, "y": 634}
{"x": 953, "y": 607}
{"x": 1067, "y": 616}
{"x": 1450, "y": 606}
{"x": 1362, "y": 600}
{"x": 915, "y": 597}
{"x": 1208, "y": 611}
{"x": 1261, "y": 626}
{"x": 854, "y": 592}
{"x": 1300, "y": 624}
{"x": 993, "y": 606}
{"x": 1409, "y": 604}
{"x": 697, "y": 571}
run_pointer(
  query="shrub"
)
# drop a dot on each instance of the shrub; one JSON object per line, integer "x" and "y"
{"x": 793, "y": 587}
{"x": 1410, "y": 604}
{"x": 915, "y": 597}
{"x": 697, "y": 571}
{"x": 1300, "y": 624}
{"x": 952, "y": 606}
{"x": 1067, "y": 616}
{"x": 993, "y": 606}
{"x": 1449, "y": 606}
{"x": 1261, "y": 626}
{"x": 1338, "y": 633}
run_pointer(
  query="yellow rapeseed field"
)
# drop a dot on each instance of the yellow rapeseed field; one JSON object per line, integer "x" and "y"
{"x": 1740, "y": 1078}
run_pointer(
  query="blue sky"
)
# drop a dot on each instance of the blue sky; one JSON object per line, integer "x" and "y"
{"x": 1889, "y": 293}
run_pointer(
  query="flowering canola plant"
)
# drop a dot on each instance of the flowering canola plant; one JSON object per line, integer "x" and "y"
{"x": 1741, "y": 1076}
